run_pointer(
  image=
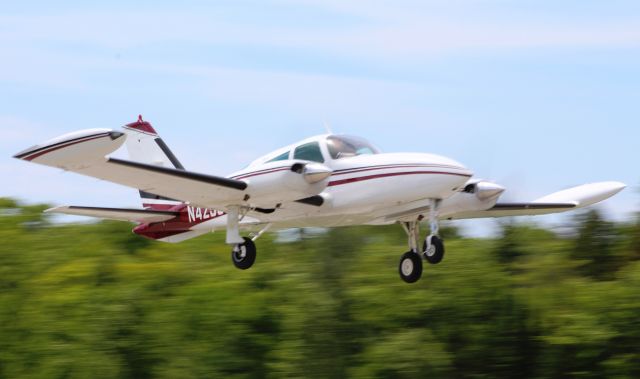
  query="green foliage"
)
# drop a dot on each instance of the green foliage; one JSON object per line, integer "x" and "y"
{"x": 518, "y": 242}
{"x": 94, "y": 300}
{"x": 634, "y": 233}
{"x": 595, "y": 246}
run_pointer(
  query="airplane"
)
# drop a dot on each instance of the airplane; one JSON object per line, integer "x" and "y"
{"x": 327, "y": 180}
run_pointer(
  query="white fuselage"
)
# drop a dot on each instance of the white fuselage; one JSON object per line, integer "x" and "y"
{"x": 363, "y": 189}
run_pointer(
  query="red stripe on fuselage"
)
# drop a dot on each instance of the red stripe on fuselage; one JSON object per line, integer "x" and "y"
{"x": 389, "y": 174}
{"x": 386, "y": 167}
{"x": 263, "y": 172}
{"x": 348, "y": 170}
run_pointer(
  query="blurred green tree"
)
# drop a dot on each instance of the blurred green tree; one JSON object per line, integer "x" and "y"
{"x": 93, "y": 300}
{"x": 510, "y": 246}
{"x": 635, "y": 240}
{"x": 594, "y": 246}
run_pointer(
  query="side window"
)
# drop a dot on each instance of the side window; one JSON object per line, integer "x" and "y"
{"x": 281, "y": 157}
{"x": 309, "y": 151}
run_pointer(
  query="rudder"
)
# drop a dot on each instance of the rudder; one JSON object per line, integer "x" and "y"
{"x": 145, "y": 145}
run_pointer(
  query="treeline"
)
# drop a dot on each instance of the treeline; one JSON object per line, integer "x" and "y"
{"x": 96, "y": 301}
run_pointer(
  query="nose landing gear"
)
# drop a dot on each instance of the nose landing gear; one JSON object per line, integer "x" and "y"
{"x": 410, "y": 266}
{"x": 433, "y": 249}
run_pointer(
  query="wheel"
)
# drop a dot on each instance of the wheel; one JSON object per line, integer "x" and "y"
{"x": 435, "y": 252}
{"x": 410, "y": 267}
{"x": 244, "y": 254}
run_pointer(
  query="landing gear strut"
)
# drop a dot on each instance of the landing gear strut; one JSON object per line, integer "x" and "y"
{"x": 433, "y": 247}
{"x": 410, "y": 266}
{"x": 243, "y": 254}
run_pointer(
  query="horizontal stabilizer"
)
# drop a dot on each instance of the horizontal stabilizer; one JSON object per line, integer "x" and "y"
{"x": 86, "y": 152}
{"x": 74, "y": 149}
{"x": 122, "y": 214}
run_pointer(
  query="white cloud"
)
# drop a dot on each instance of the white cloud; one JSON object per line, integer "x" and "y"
{"x": 386, "y": 31}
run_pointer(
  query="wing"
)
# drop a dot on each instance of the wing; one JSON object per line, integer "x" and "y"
{"x": 516, "y": 209}
{"x": 122, "y": 214}
{"x": 467, "y": 205}
{"x": 561, "y": 201}
{"x": 207, "y": 190}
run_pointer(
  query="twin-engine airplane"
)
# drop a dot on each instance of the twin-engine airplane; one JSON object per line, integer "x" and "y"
{"x": 323, "y": 181}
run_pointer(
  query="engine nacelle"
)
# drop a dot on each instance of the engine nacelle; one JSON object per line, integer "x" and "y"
{"x": 279, "y": 182}
{"x": 476, "y": 195}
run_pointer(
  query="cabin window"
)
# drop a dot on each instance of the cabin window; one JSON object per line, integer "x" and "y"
{"x": 309, "y": 152}
{"x": 281, "y": 157}
{"x": 348, "y": 146}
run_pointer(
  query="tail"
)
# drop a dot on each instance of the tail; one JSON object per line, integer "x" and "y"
{"x": 145, "y": 145}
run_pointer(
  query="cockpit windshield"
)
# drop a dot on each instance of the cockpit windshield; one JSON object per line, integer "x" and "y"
{"x": 348, "y": 146}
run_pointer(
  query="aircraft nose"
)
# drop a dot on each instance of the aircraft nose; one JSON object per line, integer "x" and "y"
{"x": 453, "y": 164}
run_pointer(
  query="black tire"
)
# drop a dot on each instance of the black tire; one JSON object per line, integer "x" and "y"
{"x": 410, "y": 267}
{"x": 243, "y": 255}
{"x": 435, "y": 255}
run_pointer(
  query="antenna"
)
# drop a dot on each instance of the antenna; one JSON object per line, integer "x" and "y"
{"x": 327, "y": 127}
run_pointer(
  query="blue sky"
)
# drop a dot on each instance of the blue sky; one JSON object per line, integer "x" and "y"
{"x": 536, "y": 95}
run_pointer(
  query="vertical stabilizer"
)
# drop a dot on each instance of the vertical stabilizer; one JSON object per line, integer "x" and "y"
{"x": 145, "y": 145}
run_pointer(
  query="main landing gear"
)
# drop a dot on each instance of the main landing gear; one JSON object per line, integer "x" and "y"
{"x": 410, "y": 267}
{"x": 243, "y": 254}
